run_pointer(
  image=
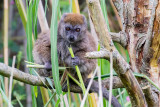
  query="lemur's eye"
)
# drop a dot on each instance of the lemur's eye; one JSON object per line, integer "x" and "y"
{"x": 68, "y": 28}
{"x": 77, "y": 29}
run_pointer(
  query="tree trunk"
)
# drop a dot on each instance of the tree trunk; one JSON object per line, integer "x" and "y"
{"x": 141, "y": 21}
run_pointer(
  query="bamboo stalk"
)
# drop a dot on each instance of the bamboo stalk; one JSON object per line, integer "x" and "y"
{"x": 6, "y": 41}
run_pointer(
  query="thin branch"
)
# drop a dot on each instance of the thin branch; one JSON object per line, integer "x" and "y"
{"x": 151, "y": 96}
{"x": 120, "y": 38}
{"x": 21, "y": 76}
{"x": 119, "y": 6}
{"x": 119, "y": 63}
{"x": 103, "y": 54}
{"x": 116, "y": 83}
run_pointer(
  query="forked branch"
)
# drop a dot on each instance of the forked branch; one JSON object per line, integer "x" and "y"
{"x": 119, "y": 64}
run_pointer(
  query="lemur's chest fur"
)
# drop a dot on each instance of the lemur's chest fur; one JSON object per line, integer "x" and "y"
{"x": 63, "y": 51}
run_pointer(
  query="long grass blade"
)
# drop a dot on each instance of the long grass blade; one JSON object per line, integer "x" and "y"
{"x": 78, "y": 72}
{"x": 19, "y": 102}
{"x": 30, "y": 46}
{"x": 4, "y": 96}
{"x": 54, "y": 57}
{"x": 22, "y": 12}
{"x": 46, "y": 105}
{"x": 69, "y": 93}
{"x": 34, "y": 14}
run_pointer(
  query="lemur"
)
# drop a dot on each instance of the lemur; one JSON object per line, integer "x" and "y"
{"x": 72, "y": 31}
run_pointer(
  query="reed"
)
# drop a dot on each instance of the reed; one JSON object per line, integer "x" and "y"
{"x": 5, "y": 39}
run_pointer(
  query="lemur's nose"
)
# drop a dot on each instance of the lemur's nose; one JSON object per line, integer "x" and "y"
{"x": 71, "y": 38}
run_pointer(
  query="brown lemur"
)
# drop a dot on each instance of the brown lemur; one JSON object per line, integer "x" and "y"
{"x": 72, "y": 31}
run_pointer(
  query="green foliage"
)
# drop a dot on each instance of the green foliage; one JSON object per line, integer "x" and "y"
{"x": 4, "y": 96}
{"x": 30, "y": 20}
{"x": 54, "y": 57}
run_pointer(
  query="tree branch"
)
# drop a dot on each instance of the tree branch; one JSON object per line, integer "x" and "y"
{"x": 120, "y": 38}
{"x": 119, "y": 64}
{"x": 151, "y": 96}
{"x": 119, "y": 6}
{"x": 37, "y": 81}
{"x": 21, "y": 76}
{"x": 103, "y": 54}
{"x": 116, "y": 83}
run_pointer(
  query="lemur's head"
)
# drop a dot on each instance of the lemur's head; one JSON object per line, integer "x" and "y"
{"x": 72, "y": 27}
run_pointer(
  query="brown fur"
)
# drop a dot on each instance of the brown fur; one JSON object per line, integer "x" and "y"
{"x": 79, "y": 50}
{"x": 74, "y": 19}
{"x": 42, "y": 52}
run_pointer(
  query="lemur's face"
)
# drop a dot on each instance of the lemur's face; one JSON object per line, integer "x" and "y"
{"x": 73, "y": 27}
{"x": 73, "y": 33}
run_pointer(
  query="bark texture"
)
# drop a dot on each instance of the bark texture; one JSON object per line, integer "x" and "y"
{"x": 140, "y": 19}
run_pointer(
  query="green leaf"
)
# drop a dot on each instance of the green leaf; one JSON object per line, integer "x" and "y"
{"x": 4, "y": 96}
{"x": 50, "y": 82}
{"x": 54, "y": 56}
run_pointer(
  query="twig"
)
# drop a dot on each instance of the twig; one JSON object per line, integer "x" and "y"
{"x": 111, "y": 78}
{"x": 119, "y": 6}
{"x": 43, "y": 67}
{"x": 36, "y": 66}
{"x": 117, "y": 13}
{"x": 11, "y": 79}
{"x": 100, "y": 88}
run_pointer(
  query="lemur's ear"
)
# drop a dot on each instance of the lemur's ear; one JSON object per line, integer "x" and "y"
{"x": 64, "y": 15}
{"x": 84, "y": 20}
